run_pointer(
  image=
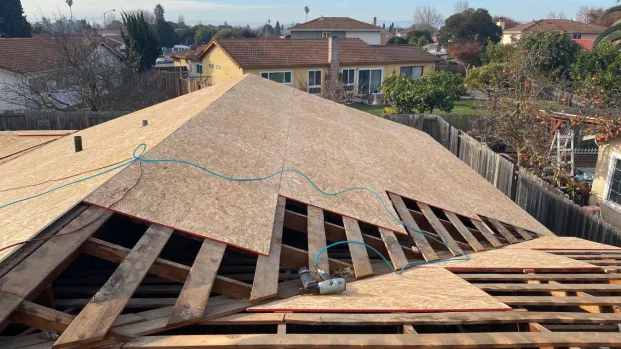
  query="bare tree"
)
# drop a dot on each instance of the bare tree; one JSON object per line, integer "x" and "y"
{"x": 181, "y": 20}
{"x": 427, "y": 18}
{"x": 461, "y": 6}
{"x": 557, "y": 15}
{"x": 70, "y": 4}
{"x": 583, "y": 14}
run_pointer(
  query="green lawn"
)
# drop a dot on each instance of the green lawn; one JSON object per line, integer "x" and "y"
{"x": 462, "y": 107}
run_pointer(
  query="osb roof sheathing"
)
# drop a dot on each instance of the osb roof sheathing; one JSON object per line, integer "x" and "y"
{"x": 255, "y": 127}
{"x": 420, "y": 290}
{"x": 515, "y": 259}
{"x": 551, "y": 243}
{"x": 104, "y": 144}
{"x": 13, "y": 144}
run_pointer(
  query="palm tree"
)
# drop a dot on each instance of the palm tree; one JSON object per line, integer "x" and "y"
{"x": 614, "y": 32}
{"x": 70, "y": 3}
{"x": 307, "y": 10}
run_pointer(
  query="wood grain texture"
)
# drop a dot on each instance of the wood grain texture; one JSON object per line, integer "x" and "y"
{"x": 542, "y": 277}
{"x": 559, "y": 301}
{"x": 359, "y": 255}
{"x": 514, "y": 260}
{"x": 553, "y": 243}
{"x": 265, "y": 284}
{"x": 428, "y": 290}
{"x": 8, "y": 303}
{"x": 464, "y": 231}
{"x": 17, "y": 143}
{"x": 523, "y": 233}
{"x": 420, "y": 240}
{"x": 316, "y": 239}
{"x": 503, "y": 231}
{"x": 193, "y": 298}
{"x": 97, "y": 317}
{"x": 440, "y": 229}
{"x": 104, "y": 144}
{"x": 487, "y": 233}
{"x": 397, "y": 256}
{"x": 555, "y": 286}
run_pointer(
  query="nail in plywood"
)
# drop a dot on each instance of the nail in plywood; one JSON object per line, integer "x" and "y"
{"x": 394, "y": 249}
{"x": 97, "y": 317}
{"x": 193, "y": 298}
{"x": 104, "y": 144}
{"x": 487, "y": 233}
{"x": 417, "y": 290}
{"x": 503, "y": 231}
{"x": 464, "y": 231}
{"x": 514, "y": 260}
{"x": 265, "y": 284}
{"x": 419, "y": 239}
{"x": 316, "y": 239}
{"x": 552, "y": 243}
{"x": 439, "y": 228}
{"x": 359, "y": 256}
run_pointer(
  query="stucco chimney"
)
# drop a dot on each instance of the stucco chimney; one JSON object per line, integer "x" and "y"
{"x": 374, "y": 20}
{"x": 501, "y": 23}
{"x": 333, "y": 58}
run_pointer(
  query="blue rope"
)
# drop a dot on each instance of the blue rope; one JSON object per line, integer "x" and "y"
{"x": 141, "y": 149}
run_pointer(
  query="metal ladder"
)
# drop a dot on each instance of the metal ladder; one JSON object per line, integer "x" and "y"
{"x": 564, "y": 143}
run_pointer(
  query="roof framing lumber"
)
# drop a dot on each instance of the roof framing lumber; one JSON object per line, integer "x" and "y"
{"x": 464, "y": 231}
{"x": 296, "y": 258}
{"x": 194, "y": 296}
{"x": 97, "y": 317}
{"x": 316, "y": 239}
{"x": 559, "y": 301}
{"x": 549, "y": 287}
{"x": 439, "y": 228}
{"x": 541, "y": 277}
{"x": 359, "y": 256}
{"x": 265, "y": 284}
{"x": 503, "y": 231}
{"x": 49, "y": 260}
{"x": 523, "y": 233}
{"x": 166, "y": 269}
{"x": 420, "y": 240}
{"x": 487, "y": 233}
{"x": 418, "y": 341}
{"x": 452, "y": 318}
{"x": 394, "y": 249}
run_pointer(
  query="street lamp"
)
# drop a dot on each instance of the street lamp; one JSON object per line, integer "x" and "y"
{"x": 106, "y": 25}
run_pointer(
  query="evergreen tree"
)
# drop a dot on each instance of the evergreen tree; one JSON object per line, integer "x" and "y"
{"x": 158, "y": 12}
{"x": 141, "y": 42}
{"x": 277, "y": 29}
{"x": 13, "y": 23}
{"x": 165, "y": 33}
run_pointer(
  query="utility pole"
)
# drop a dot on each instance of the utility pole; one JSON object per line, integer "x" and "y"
{"x": 106, "y": 24}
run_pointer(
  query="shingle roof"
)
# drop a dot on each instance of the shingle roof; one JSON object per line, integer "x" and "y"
{"x": 24, "y": 55}
{"x": 558, "y": 24}
{"x": 335, "y": 23}
{"x": 264, "y": 53}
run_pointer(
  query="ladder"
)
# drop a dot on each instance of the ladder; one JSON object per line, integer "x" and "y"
{"x": 564, "y": 144}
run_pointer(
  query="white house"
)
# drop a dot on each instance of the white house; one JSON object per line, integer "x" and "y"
{"x": 342, "y": 27}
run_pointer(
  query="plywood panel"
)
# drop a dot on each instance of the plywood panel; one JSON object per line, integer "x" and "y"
{"x": 341, "y": 148}
{"x": 242, "y": 134}
{"x": 104, "y": 144}
{"x": 515, "y": 259}
{"x": 418, "y": 290}
{"x": 14, "y": 143}
{"x": 552, "y": 243}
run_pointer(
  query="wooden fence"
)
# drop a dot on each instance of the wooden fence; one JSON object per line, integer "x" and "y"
{"x": 541, "y": 200}
{"x": 54, "y": 120}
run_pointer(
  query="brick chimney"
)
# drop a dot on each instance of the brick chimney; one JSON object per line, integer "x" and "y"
{"x": 333, "y": 58}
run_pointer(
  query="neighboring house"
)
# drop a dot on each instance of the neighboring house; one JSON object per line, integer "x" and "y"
{"x": 403, "y": 33}
{"x": 582, "y": 33}
{"x": 437, "y": 50}
{"x": 309, "y": 63}
{"x": 341, "y": 27}
{"x": 29, "y": 59}
{"x": 606, "y": 190}
{"x": 188, "y": 59}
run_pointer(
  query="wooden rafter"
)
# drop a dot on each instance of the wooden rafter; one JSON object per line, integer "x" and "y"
{"x": 359, "y": 256}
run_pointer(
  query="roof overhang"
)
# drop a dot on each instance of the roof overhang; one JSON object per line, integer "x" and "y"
{"x": 336, "y": 30}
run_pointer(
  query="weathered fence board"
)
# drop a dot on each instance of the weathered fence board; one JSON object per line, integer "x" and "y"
{"x": 547, "y": 204}
{"x": 54, "y": 120}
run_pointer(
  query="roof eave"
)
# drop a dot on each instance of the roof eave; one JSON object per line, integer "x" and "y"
{"x": 336, "y": 29}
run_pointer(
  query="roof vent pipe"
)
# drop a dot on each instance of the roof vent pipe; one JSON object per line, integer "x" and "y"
{"x": 77, "y": 143}
{"x": 145, "y": 123}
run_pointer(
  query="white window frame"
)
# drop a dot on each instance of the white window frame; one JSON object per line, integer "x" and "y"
{"x": 278, "y": 71}
{"x": 343, "y": 72}
{"x": 320, "y": 86}
{"x": 369, "y": 69}
{"x": 211, "y": 65}
{"x": 218, "y": 67}
{"x": 422, "y": 69}
{"x": 325, "y": 35}
{"x": 611, "y": 170}
{"x": 201, "y": 70}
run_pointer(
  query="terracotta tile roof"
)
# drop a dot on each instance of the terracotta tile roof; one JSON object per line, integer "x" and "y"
{"x": 335, "y": 23}
{"x": 266, "y": 53}
{"x": 27, "y": 55}
{"x": 558, "y": 24}
{"x": 190, "y": 55}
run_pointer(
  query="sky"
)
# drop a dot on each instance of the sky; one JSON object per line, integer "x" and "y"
{"x": 255, "y": 13}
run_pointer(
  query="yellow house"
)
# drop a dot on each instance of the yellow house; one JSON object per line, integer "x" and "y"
{"x": 606, "y": 189}
{"x": 582, "y": 33}
{"x": 308, "y": 64}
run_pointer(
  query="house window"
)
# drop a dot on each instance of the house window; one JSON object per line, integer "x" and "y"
{"x": 325, "y": 35}
{"x": 211, "y": 65}
{"x": 283, "y": 77}
{"x": 218, "y": 67}
{"x": 348, "y": 77}
{"x": 369, "y": 80}
{"x": 614, "y": 180}
{"x": 199, "y": 69}
{"x": 577, "y": 36}
{"x": 314, "y": 81}
{"x": 415, "y": 71}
